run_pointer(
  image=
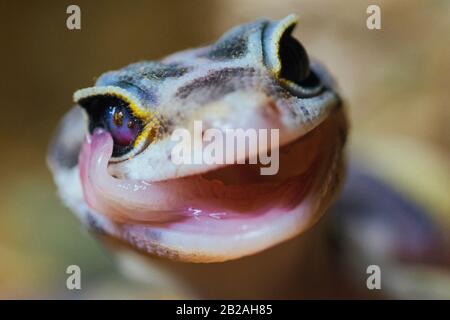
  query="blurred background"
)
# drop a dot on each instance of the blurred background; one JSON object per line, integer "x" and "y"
{"x": 395, "y": 81}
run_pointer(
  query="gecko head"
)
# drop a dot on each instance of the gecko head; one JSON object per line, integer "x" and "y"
{"x": 112, "y": 157}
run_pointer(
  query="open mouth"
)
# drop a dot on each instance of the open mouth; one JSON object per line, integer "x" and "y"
{"x": 223, "y": 213}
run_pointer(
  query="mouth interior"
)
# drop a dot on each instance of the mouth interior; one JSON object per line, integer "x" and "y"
{"x": 230, "y": 200}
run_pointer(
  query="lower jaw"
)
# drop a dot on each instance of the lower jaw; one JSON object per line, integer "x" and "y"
{"x": 217, "y": 232}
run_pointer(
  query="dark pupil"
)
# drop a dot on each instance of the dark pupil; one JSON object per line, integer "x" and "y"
{"x": 295, "y": 62}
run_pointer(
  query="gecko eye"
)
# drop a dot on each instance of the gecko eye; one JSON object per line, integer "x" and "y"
{"x": 295, "y": 62}
{"x": 114, "y": 114}
{"x": 288, "y": 60}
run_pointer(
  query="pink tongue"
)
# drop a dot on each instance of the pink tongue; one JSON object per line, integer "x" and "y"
{"x": 172, "y": 200}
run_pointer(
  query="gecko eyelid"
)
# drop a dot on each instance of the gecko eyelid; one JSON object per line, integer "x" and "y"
{"x": 287, "y": 59}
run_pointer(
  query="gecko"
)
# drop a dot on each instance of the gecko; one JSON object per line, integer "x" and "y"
{"x": 111, "y": 157}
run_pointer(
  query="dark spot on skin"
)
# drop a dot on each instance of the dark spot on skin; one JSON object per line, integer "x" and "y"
{"x": 67, "y": 155}
{"x": 305, "y": 111}
{"x": 147, "y": 94}
{"x": 146, "y": 240}
{"x": 234, "y": 44}
{"x": 141, "y": 237}
{"x": 276, "y": 90}
{"x": 164, "y": 127}
{"x": 216, "y": 83}
{"x": 229, "y": 48}
{"x": 343, "y": 132}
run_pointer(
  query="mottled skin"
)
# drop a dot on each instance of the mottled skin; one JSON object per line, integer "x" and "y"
{"x": 246, "y": 67}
